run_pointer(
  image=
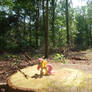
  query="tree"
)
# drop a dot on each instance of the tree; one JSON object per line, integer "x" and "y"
{"x": 53, "y": 21}
{"x": 46, "y": 32}
{"x": 82, "y": 37}
{"x": 89, "y": 14}
{"x": 67, "y": 22}
{"x": 37, "y": 24}
{"x": 24, "y": 24}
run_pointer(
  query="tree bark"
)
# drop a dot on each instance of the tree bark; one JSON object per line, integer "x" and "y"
{"x": 53, "y": 16}
{"x": 67, "y": 22}
{"x": 90, "y": 36}
{"x": 43, "y": 15}
{"x": 42, "y": 34}
{"x": 30, "y": 31}
{"x": 24, "y": 21}
{"x": 46, "y": 32}
{"x": 37, "y": 26}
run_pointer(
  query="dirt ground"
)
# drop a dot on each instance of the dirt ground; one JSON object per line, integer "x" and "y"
{"x": 7, "y": 68}
{"x": 76, "y": 59}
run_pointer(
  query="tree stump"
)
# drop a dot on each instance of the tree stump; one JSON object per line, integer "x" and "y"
{"x": 65, "y": 79}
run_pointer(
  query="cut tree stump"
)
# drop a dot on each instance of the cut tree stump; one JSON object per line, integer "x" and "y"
{"x": 3, "y": 87}
{"x": 67, "y": 78}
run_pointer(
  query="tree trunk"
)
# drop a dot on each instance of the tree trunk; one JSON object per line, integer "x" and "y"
{"x": 42, "y": 33}
{"x": 43, "y": 15}
{"x": 67, "y": 22}
{"x": 17, "y": 36}
{"x": 30, "y": 31}
{"x": 90, "y": 36}
{"x": 44, "y": 28}
{"x": 37, "y": 26}
{"x": 53, "y": 16}
{"x": 24, "y": 21}
{"x": 46, "y": 32}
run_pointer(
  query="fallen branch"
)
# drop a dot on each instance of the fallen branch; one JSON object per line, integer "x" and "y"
{"x": 27, "y": 60}
{"x": 78, "y": 58}
{"x": 27, "y": 56}
{"x": 26, "y": 76}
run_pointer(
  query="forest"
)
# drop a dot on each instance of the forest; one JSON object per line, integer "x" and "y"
{"x": 25, "y": 25}
{"x": 54, "y": 30}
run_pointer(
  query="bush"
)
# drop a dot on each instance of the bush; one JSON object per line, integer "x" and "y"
{"x": 60, "y": 58}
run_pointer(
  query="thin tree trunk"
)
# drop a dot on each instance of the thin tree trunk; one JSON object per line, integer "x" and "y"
{"x": 87, "y": 35}
{"x": 36, "y": 35}
{"x": 43, "y": 16}
{"x": 17, "y": 36}
{"x": 37, "y": 27}
{"x": 53, "y": 16}
{"x": 46, "y": 33}
{"x": 24, "y": 21}
{"x": 67, "y": 22}
{"x": 90, "y": 36}
{"x": 43, "y": 24}
{"x": 30, "y": 30}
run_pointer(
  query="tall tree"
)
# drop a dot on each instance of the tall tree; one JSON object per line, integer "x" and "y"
{"x": 53, "y": 18}
{"x": 67, "y": 22}
{"x": 43, "y": 15}
{"x": 89, "y": 13}
{"x": 46, "y": 32}
{"x": 37, "y": 24}
{"x": 43, "y": 22}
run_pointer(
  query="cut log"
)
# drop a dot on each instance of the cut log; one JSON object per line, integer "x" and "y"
{"x": 3, "y": 85}
{"x": 65, "y": 79}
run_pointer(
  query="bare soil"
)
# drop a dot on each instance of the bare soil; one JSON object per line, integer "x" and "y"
{"x": 82, "y": 59}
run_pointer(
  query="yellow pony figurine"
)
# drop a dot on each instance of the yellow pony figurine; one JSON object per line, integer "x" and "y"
{"x": 45, "y": 69}
{"x": 43, "y": 66}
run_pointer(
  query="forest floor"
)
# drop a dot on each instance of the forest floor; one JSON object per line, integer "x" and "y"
{"x": 7, "y": 67}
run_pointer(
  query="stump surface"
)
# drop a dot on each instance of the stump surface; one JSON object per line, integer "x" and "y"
{"x": 67, "y": 78}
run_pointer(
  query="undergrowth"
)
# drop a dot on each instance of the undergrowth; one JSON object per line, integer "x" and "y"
{"x": 60, "y": 58}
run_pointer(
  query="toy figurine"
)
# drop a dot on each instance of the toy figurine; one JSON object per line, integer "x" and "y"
{"x": 44, "y": 68}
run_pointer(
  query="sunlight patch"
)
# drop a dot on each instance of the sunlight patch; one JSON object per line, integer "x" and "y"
{"x": 76, "y": 77}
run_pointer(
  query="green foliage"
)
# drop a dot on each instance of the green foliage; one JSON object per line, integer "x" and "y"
{"x": 83, "y": 36}
{"x": 21, "y": 25}
{"x": 16, "y": 59}
{"x": 60, "y": 58}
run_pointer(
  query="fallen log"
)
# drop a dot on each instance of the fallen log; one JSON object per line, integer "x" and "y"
{"x": 3, "y": 87}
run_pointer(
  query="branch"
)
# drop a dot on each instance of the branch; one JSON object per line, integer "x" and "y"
{"x": 25, "y": 75}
